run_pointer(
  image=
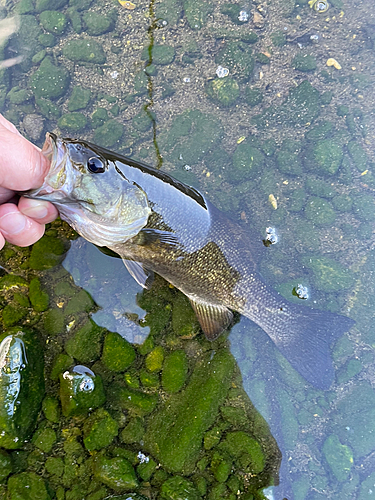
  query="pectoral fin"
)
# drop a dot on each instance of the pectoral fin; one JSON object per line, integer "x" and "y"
{"x": 212, "y": 318}
{"x": 142, "y": 276}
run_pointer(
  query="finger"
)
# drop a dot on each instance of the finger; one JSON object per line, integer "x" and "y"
{"x": 39, "y": 210}
{"x": 2, "y": 241}
{"x": 8, "y": 125}
{"x": 17, "y": 228}
{"x": 5, "y": 195}
{"x": 22, "y": 165}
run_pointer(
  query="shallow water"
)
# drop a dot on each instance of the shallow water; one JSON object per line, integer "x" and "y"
{"x": 310, "y": 176}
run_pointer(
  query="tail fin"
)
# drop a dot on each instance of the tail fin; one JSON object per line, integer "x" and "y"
{"x": 305, "y": 339}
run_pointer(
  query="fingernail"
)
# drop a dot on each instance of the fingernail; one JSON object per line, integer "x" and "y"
{"x": 13, "y": 223}
{"x": 38, "y": 211}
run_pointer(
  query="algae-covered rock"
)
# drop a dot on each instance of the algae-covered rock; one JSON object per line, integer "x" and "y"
{"x": 41, "y": 5}
{"x": 38, "y": 298}
{"x": 84, "y": 50}
{"x": 99, "y": 116}
{"x": 49, "y": 81}
{"x": 223, "y": 90}
{"x": 245, "y": 449}
{"x": 28, "y": 482}
{"x": 51, "y": 409}
{"x": 137, "y": 402}
{"x": 108, "y": 134}
{"x": 80, "y": 4}
{"x": 80, "y": 391}
{"x": 85, "y": 344}
{"x": 175, "y": 369}
{"x": 324, "y": 157}
{"x": 6, "y": 466}
{"x": 118, "y": 354}
{"x": 160, "y": 54}
{"x": 178, "y": 487}
{"x": 253, "y": 96}
{"x": 142, "y": 121}
{"x": 99, "y": 430}
{"x": 154, "y": 360}
{"x": 169, "y": 10}
{"x": 184, "y": 320}
{"x": 364, "y": 207}
{"x": 53, "y": 21}
{"x": 39, "y": 56}
{"x": 72, "y": 122}
{"x": 54, "y": 321}
{"x": 339, "y": 457}
{"x": 21, "y": 385}
{"x": 247, "y": 162}
{"x": 44, "y": 439}
{"x": 47, "y": 40}
{"x": 18, "y": 95}
{"x": 79, "y": 99}
{"x": 196, "y": 13}
{"x": 24, "y": 7}
{"x": 328, "y": 274}
{"x": 232, "y": 10}
{"x": 237, "y": 57}
{"x": 117, "y": 473}
{"x": 133, "y": 432}
{"x": 321, "y": 131}
{"x": 97, "y": 24}
{"x": 289, "y": 162}
{"x": 319, "y": 211}
{"x": 278, "y": 38}
{"x": 48, "y": 108}
{"x": 304, "y": 62}
{"x": 175, "y": 432}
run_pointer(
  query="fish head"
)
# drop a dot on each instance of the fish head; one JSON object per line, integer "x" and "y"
{"x": 91, "y": 193}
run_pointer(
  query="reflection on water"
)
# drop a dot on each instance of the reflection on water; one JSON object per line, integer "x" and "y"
{"x": 268, "y": 109}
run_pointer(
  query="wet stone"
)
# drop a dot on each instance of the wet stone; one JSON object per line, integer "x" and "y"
{"x": 133, "y": 432}
{"x": 53, "y": 21}
{"x": 175, "y": 369}
{"x": 47, "y": 40}
{"x": 84, "y": 50}
{"x": 196, "y": 13}
{"x": 99, "y": 116}
{"x": 39, "y": 56}
{"x": 54, "y": 322}
{"x": 42, "y": 5}
{"x": 304, "y": 62}
{"x": 18, "y": 95}
{"x": 72, "y": 122}
{"x": 30, "y": 482}
{"x": 178, "y": 487}
{"x": 237, "y": 57}
{"x": 34, "y": 125}
{"x": 117, "y": 473}
{"x": 247, "y": 162}
{"x": 118, "y": 354}
{"x": 329, "y": 275}
{"x": 44, "y": 439}
{"x": 49, "y": 81}
{"x": 80, "y": 392}
{"x": 80, "y": 4}
{"x": 108, "y": 134}
{"x": 364, "y": 207}
{"x": 85, "y": 344}
{"x": 320, "y": 211}
{"x": 6, "y": 466}
{"x": 38, "y": 298}
{"x": 160, "y": 54}
{"x": 47, "y": 108}
{"x": 51, "y": 409}
{"x": 61, "y": 363}
{"x": 99, "y": 430}
{"x": 25, "y": 7}
{"x": 137, "y": 402}
{"x": 325, "y": 157}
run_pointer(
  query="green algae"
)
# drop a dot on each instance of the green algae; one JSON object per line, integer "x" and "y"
{"x": 175, "y": 369}
{"x": 118, "y": 354}
{"x": 46, "y": 253}
{"x": 328, "y": 274}
{"x": 39, "y": 299}
{"x": 178, "y": 487}
{"x": 49, "y": 81}
{"x": 99, "y": 430}
{"x": 154, "y": 360}
{"x": 225, "y": 91}
{"x": 30, "y": 482}
{"x": 44, "y": 439}
{"x": 175, "y": 432}
{"x": 80, "y": 392}
{"x": 85, "y": 344}
{"x": 117, "y": 473}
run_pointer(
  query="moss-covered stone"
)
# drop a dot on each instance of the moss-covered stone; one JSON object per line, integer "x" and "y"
{"x": 79, "y": 99}
{"x": 38, "y": 298}
{"x": 184, "y": 320}
{"x": 364, "y": 207}
{"x": 145, "y": 470}
{"x": 178, "y": 487}
{"x": 154, "y": 360}
{"x": 53, "y": 21}
{"x": 142, "y": 121}
{"x": 175, "y": 432}
{"x": 6, "y": 466}
{"x": 55, "y": 466}
{"x": 49, "y": 81}
{"x": 47, "y": 40}
{"x": 13, "y": 313}
{"x": 160, "y": 54}
{"x": 318, "y": 187}
{"x": 137, "y": 402}
{"x": 319, "y": 211}
{"x": 149, "y": 380}
{"x": 23, "y": 367}
{"x": 289, "y": 163}
{"x": 175, "y": 369}
{"x": 108, "y": 134}
{"x": 99, "y": 116}
{"x": 99, "y": 430}
{"x": 328, "y": 274}
{"x": 51, "y": 409}
{"x": 169, "y": 10}
{"x": 44, "y": 439}
{"x": 196, "y": 13}
{"x": 48, "y": 108}
{"x": 245, "y": 450}
{"x": 39, "y": 56}
{"x": 25, "y": 7}
{"x": 61, "y": 363}
{"x": 85, "y": 344}
{"x": 358, "y": 155}
{"x": 247, "y": 162}
{"x": 324, "y": 157}
{"x": 304, "y": 62}
{"x": 28, "y": 482}
{"x": 97, "y": 24}
{"x": 133, "y": 432}
{"x": 54, "y": 321}
{"x": 118, "y": 354}
{"x": 321, "y": 131}
{"x": 81, "y": 301}
{"x": 342, "y": 203}
{"x": 80, "y": 4}
{"x": 223, "y": 90}
{"x": 278, "y": 38}
{"x": 238, "y": 58}
{"x": 41, "y": 5}
{"x": 72, "y": 122}
{"x": 339, "y": 457}
{"x": 117, "y": 473}
{"x": 232, "y": 10}
{"x": 84, "y": 50}
{"x": 18, "y": 95}
{"x": 80, "y": 392}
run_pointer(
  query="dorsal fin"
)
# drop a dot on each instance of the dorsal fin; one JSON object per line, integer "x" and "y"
{"x": 214, "y": 319}
{"x": 142, "y": 276}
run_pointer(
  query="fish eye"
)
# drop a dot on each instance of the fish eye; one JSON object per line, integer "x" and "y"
{"x": 95, "y": 165}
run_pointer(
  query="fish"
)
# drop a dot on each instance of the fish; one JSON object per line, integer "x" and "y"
{"x": 158, "y": 224}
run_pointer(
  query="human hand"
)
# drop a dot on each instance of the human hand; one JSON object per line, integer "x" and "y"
{"x": 22, "y": 167}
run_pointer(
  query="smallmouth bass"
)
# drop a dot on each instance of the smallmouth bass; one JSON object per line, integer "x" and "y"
{"x": 158, "y": 224}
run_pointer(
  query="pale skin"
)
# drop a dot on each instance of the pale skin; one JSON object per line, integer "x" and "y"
{"x": 22, "y": 167}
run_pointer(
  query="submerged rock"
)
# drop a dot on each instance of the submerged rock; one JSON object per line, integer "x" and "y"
{"x": 49, "y": 81}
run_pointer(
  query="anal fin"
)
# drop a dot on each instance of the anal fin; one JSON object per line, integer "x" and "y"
{"x": 213, "y": 319}
{"x": 142, "y": 276}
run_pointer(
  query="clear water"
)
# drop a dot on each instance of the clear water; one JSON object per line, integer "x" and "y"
{"x": 200, "y": 149}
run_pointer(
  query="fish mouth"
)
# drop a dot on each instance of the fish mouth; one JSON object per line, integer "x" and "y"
{"x": 58, "y": 183}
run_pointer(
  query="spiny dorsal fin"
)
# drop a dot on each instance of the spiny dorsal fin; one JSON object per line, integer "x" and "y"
{"x": 142, "y": 276}
{"x": 213, "y": 319}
